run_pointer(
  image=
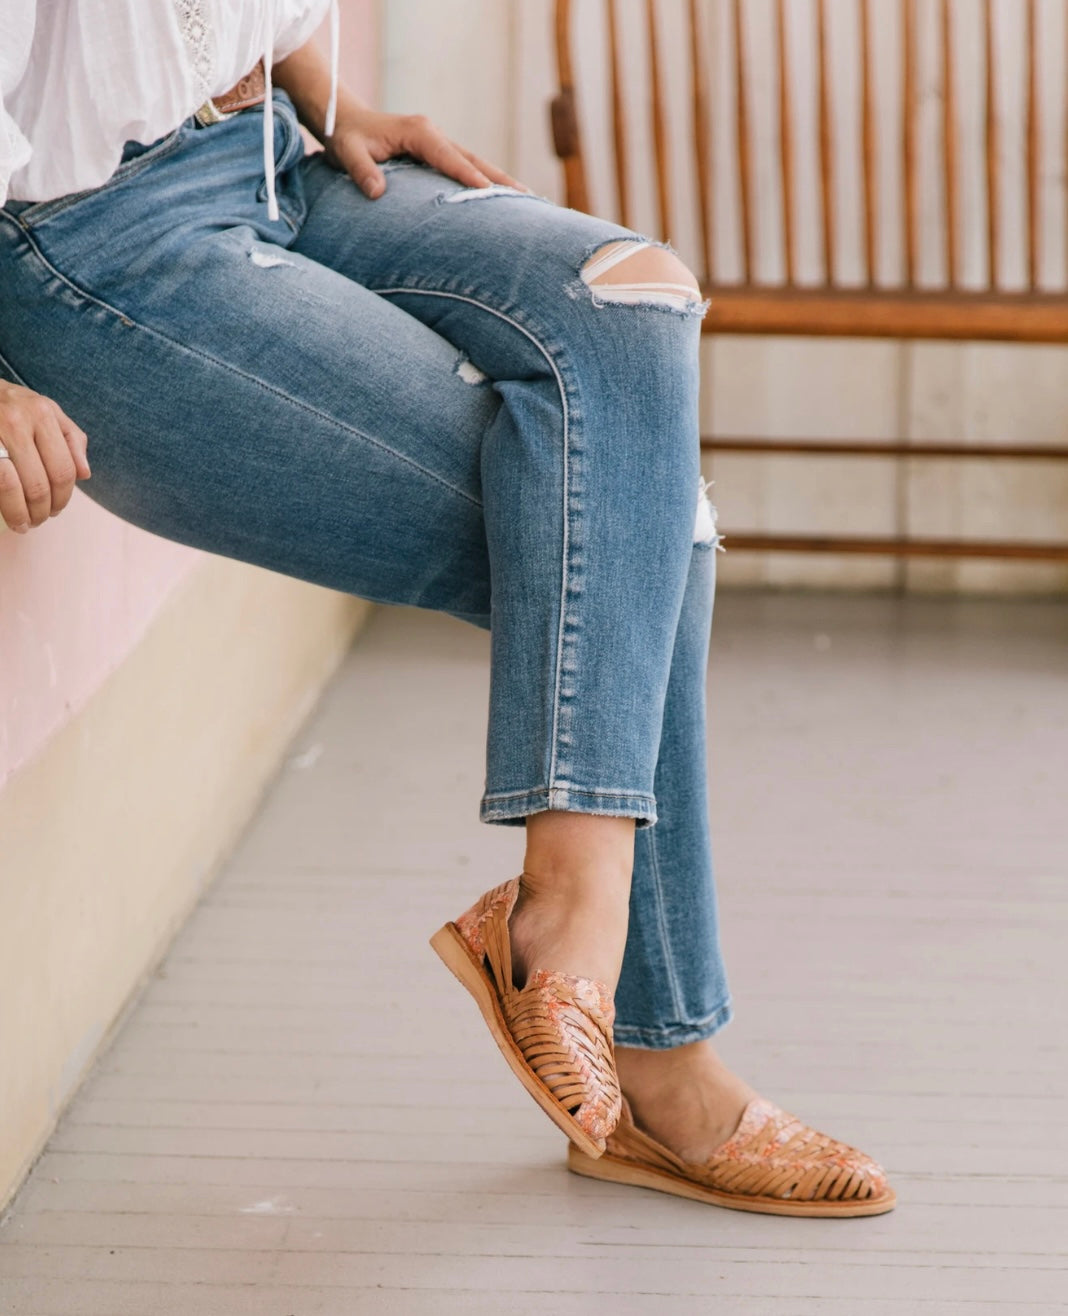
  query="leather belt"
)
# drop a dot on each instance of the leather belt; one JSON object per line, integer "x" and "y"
{"x": 250, "y": 91}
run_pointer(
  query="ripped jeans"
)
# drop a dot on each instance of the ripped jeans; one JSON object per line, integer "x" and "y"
{"x": 450, "y": 398}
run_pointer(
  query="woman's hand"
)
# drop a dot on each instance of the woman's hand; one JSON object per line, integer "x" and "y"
{"x": 45, "y": 456}
{"x": 364, "y": 137}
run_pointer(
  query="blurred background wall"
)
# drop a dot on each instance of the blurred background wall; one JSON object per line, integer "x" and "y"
{"x": 501, "y": 75}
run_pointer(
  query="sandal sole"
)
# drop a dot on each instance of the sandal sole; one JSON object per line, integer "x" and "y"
{"x": 612, "y": 1170}
{"x": 453, "y": 950}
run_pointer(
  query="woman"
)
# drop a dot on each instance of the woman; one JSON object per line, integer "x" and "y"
{"x": 389, "y": 369}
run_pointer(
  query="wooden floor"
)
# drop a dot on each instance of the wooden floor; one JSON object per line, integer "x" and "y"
{"x": 305, "y": 1115}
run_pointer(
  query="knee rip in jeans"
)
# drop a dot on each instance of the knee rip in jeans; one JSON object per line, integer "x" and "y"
{"x": 485, "y": 194}
{"x": 654, "y": 277}
{"x": 705, "y": 532}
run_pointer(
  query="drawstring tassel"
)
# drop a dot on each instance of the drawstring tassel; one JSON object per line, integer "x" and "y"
{"x": 268, "y": 107}
{"x": 335, "y": 52}
{"x": 268, "y": 133}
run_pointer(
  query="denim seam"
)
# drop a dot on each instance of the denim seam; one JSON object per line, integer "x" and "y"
{"x": 637, "y": 805}
{"x": 498, "y": 796}
{"x": 566, "y": 577}
{"x": 672, "y": 1035}
{"x": 661, "y": 927}
{"x": 241, "y": 374}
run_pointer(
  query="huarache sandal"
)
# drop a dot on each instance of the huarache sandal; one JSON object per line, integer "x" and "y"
{"x": 772, "y": 1163}
{"x": 555, "y": 1031}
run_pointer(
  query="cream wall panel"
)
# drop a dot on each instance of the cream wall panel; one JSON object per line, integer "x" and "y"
{"x": 452, "y": 60}
{"x": 533, "y": 87}
{"x": 108, "y": 836}
{"x": 987, "y": 392}
{"x": 796, "y": 389}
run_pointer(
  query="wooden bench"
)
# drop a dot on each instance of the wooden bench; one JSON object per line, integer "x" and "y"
{"x": 744, "y": 300}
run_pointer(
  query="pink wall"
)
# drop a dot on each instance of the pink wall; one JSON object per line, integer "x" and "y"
{"x": 77, "y": 594}
{"x": 359, "y": 46}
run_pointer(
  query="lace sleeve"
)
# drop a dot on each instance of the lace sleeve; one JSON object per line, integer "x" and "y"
{"x": 17, "y": 19}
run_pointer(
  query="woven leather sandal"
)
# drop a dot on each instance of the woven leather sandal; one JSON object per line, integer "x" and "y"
{"x": 555, "y": 1031}
{"x": 772, "y": 1163}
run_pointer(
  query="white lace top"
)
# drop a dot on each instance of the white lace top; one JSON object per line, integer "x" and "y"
{"x": 79, "y": 78}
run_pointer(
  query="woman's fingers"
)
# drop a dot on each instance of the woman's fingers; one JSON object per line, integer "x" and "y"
{"x": 363, "y": 169}
{"x": 378, "y": 137}
{"x": 56, "y": 458}
{"x": 12, "y": 501}
{"x": 45, "y": 455}
{"x": 36, "y": 490}
{"x": 427, "y": 143}
{"x": 491, "y": 171}
{"x": 369, "y": 137}
{"x": 457, "y": 161}
{"x": 77, "y": 443}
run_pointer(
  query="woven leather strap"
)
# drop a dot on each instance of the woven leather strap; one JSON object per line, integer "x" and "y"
{"x": 561, "y": 1023}
{"x": 771, "y": 1154}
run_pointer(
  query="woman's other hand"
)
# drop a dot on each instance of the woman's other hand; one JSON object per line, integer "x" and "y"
{"x": 364, "y": 137}
{"x": 45, "y": 456}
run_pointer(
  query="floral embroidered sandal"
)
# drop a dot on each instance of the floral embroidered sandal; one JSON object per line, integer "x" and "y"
{"x": 555, "y": 1031}
{"x": 772, "y": 1163}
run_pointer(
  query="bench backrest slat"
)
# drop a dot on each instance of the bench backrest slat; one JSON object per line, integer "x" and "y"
{"x": 814, "y": 104}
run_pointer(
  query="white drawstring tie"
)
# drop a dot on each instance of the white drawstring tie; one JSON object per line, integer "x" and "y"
{"x": 268, "y": 132}
{"x": 268, "y": 107}
{"x": 335, "y": 54}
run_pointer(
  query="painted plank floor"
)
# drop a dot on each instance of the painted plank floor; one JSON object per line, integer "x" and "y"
{"x": 304, "y": 1115}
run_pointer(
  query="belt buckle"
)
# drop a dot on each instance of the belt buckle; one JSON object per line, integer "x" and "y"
{"x": 210, "y": 113}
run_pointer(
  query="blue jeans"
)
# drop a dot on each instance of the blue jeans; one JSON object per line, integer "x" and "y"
{"x": 416, "y": 400}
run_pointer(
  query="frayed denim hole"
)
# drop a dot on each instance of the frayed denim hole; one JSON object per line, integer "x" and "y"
{"x": 396, "y": 162}
{"x": 594, "y": 247}
{"x": 494, "y": 192}
{"x": 705, "y": 531}
{"x": 643, "y": 290}
{"x": 466, "y": 370}
{"x": 268, "y": 260}
{"x": 684, "y": 311}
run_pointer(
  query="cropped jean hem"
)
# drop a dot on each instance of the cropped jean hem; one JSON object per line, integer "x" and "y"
{"x": 672, "y": 1035}
{"x": 512, "y": 807}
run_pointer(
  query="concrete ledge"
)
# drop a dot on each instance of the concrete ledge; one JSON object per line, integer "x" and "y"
{"x": 108, "y": 837}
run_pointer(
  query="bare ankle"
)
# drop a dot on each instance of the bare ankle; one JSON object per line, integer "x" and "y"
{"x": 693, "y": 1065}
{"x": 572, "y": 886}
{"x": 569, "y": 850}
{"x": 645, "y": 1062}
{"x": 684, "y": 1097}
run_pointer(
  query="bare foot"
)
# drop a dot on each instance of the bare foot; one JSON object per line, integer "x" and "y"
{"x": 685, "y": 1098}
{"x": 579, "y": 928}
{"x": 574, "y": 896}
